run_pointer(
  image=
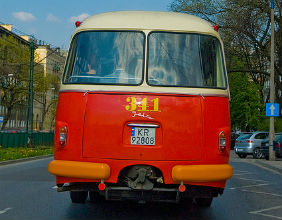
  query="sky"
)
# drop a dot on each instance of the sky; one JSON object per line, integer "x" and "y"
{"x": 52, "y": 21}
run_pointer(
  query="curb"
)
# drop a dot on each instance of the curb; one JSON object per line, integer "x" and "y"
{"x": 3, "y": 163}
{"x": 269, "y": 166}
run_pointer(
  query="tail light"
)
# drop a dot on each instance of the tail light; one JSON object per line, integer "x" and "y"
{"x": 63, "y": 136}
{"x": 249, "y": 141}
{"x": 221, "y": 142}
{"x": 277, "y": 145}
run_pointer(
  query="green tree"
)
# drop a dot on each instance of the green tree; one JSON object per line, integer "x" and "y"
{"x": 45, "y": 88}
{"x": 14, "y": 58}
{"x": 247, "y": 108}
{"x": 245, "y": 28}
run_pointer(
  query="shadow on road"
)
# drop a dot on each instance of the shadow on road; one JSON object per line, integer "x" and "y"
{"x": 133, "y": 211}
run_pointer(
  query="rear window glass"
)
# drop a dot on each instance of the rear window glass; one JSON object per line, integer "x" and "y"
{"x": 106, "y": 57}
{"x": 278, "y": 138}
{"x": 245, "y": 136}
{"x": 185, "y": 60}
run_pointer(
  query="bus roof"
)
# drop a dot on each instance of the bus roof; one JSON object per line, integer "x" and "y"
{"x": 147, "y": 20}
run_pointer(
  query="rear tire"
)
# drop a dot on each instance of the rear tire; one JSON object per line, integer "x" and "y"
{"x": 78, "y": 196}
{"x": 204, "y": 202}
{"x": 257, "y": 153}
{"x": 242, "y": 155}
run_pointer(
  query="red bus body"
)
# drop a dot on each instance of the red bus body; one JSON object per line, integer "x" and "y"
{"x": 187, "y": 158}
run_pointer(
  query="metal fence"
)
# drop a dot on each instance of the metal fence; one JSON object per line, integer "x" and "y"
{"x": 20, "y": 139}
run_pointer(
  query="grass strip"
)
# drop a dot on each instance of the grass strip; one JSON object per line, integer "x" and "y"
{"x": 13, "y": 153}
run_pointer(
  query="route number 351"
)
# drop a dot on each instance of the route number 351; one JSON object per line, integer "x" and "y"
{"x": 143, "y": 105}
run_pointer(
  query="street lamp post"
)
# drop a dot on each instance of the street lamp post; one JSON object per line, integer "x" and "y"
{"x": 272, "y": 98}
{"x": 29, "y": 114}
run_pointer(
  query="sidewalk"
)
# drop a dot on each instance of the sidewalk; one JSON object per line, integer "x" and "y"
{"x": 272, "y": 165}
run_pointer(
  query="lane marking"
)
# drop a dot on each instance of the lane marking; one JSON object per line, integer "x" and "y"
{"x": 255, "y": 180}
{"x": 4, "y": 210}
{"x": 242, "y": 173}
{"x": 55, "y": 187}
{"x": 277, "y": 195}
{"x": 267, "y": 215}
{"x": 263, "y": 184}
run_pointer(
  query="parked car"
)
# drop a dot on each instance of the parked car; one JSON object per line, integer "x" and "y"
{"x": 234, "y": 136}
{"x": 277, "y": 145}
{"x": 249, "y": 144}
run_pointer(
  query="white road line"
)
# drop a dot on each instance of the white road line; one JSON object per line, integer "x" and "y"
{"x": 241, "y": 171}
{"x": 271, "y": 194}
{"x": 240, "y": 187}
{"x": 239, "y": 174}
{"x": 55, "y": 187}
{"x": 267, "y": 215}
{"x": 4, "y": 210}
{"x": 255, "y": 180}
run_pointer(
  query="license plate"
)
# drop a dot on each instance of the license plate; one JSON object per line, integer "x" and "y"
{"x": 239, "y": 150}
{"x": 142, "y": 136}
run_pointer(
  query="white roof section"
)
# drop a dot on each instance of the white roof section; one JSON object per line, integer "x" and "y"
{"x": 147, "y": 20}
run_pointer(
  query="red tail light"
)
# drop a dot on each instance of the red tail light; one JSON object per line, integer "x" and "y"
{"x": 221, "y": 142}
{"x": 63, "y": 136}
{"x": 249, "y": 141}
{"x": 277, "y": 145}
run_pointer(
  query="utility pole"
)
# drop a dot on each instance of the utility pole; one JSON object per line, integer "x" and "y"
{"x": 271, "y": 88}
{"x": 29, "y": 114}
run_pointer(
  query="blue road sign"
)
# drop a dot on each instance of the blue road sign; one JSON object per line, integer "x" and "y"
{"x": 272, "y": 4}
{"x": 272, "y": 109}
{"x": 1, "y": 119}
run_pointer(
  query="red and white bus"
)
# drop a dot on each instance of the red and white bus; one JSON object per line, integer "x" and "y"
{"x": 143, "y": 110}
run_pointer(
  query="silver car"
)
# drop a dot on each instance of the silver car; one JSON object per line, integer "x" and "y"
{"x": 250, "y": 144}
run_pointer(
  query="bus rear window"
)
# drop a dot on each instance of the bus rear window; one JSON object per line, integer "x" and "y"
{"x": 185, "y": 60}
{"x": 106, "y": 57}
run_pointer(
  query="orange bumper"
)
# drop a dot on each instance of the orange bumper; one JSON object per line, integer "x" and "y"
{"x": 202, "y": 173}
{"x": 75, "y": 169}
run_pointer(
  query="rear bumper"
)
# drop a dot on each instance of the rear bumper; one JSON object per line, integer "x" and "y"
{"x": 243, "y": 150}
{"x": 202, "y": 173}
{"x": 101, "y": 171}
{"x": 75, "y": 169}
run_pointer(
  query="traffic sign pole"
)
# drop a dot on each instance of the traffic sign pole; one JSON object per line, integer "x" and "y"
{"x": 271, "y": 88}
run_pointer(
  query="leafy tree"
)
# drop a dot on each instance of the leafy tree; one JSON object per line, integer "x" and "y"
{"x": 44, "y": 88}
{"x": 14, "y": 71}
{"x": 247, "y": 108}
{"x": 245, "y": 28}
{"x": 13, "y": 74}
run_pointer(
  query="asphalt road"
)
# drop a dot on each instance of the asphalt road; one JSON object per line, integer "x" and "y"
{"x": 27, "y": 192}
